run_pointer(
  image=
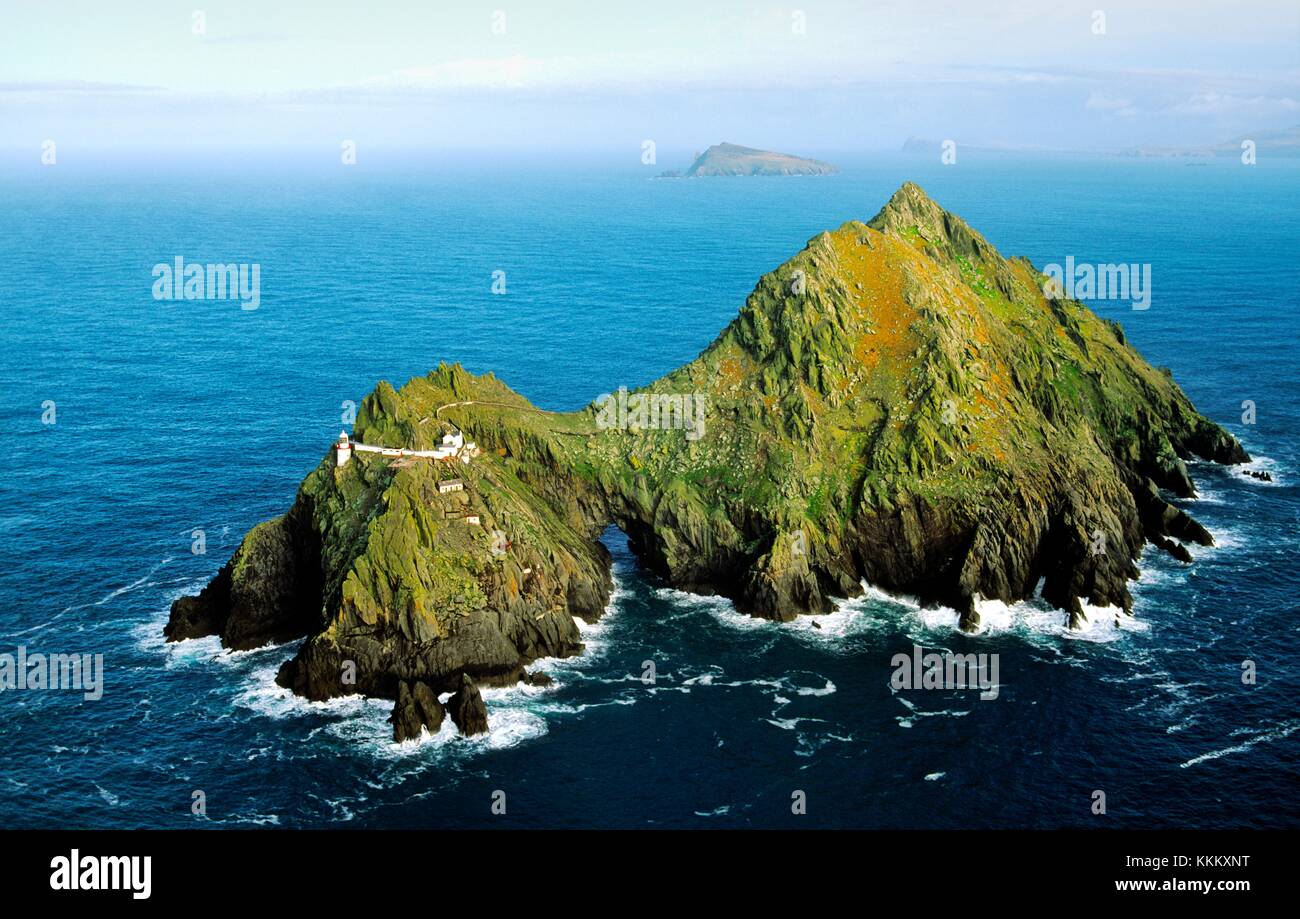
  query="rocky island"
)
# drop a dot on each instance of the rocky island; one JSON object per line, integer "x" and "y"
{"x": 1284, "y": 143}
{"x": 898, "y": 404}
{"x": 726, "y": 159}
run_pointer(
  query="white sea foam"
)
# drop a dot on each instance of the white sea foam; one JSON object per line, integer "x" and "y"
{"x": 826, "y": 690}
{"x": 234, "y": 657}
{"x": 1225, "y": 538}
{"x": 339, "y": 808}
{"x": 508, "y": 727}
{"x": 1105, "y": 624}
{"x": 808, "y": 743}
{"x": 262, "y": 695}
{"x": 1260, "y": 464}
{"x": 179, "y": 587}
{"x": 880, "y": 610}
{"x": 595, "y": 639}
{"x": 1154, "y": 571}
{"x": 148, "y": 634}
{"x": 720, "y": 607}
{"x": 186, "y": 653}
{"x": 253, "y": 818}
{"x": 1033, "y": 618}
{"x": 39, "y": 627}
{"x": 364, "y": 721}
{"x": 897, "y": 599}
{"x": 134, "y": 585}
{"x": 1281, "y": 732}
{"x": 562, "y": 708}
{"x": 851, "y": 617}
{"x": 942, "y": 713}
{"x": 514, "y": 712}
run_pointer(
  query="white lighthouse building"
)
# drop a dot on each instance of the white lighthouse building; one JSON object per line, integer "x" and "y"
{"x": 454, "y": 446}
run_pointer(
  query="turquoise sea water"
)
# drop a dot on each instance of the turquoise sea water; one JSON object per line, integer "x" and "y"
{"x": 173, "y": 416}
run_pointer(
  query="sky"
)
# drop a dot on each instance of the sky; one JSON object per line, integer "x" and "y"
{"x": 809, "y": 76}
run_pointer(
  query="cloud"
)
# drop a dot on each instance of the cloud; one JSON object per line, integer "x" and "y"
{"x": 1216, "y": 103}
{"x": 996, "y": 75}
{"x": 1117, "y": 105}
{"x": 85, "y": 87}
{"x": 516, "y": 72}
{"x": 246, "y": 38}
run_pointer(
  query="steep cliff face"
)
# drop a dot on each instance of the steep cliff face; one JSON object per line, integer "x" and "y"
{"x": 268, "y": 592}
{"x": 425, "y": 584}
{"x": 897, "y": 403}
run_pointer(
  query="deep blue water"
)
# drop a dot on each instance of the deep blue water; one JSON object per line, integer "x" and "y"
{"x": 176, "y": 416}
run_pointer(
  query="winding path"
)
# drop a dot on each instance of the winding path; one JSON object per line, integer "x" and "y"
{"x": 525, "y": 408}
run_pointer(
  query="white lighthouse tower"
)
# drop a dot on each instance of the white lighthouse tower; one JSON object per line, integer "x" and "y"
{"x": 343, "y": 449}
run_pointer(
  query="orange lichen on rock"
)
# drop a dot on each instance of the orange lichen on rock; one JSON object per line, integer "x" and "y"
{"x": 873, "y": 262}
{"x": 730, "y": 372}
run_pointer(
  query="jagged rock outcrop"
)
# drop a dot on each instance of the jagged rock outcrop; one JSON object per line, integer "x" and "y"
{"x": 467, "y": 708}
{"x": 268, "y": 592}
{"x": 417, "y": 710}
{"x": 898, "y": 403}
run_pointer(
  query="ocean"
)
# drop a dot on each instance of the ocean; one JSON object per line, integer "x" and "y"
{"x": 176, "y": 416}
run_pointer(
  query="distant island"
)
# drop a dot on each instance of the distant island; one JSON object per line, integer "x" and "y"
{"x": 726, "y": 159}
{"x": 1283, "y": 143}
{"x": 898, "y": 405}
{"x": 1277, "y": 143}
